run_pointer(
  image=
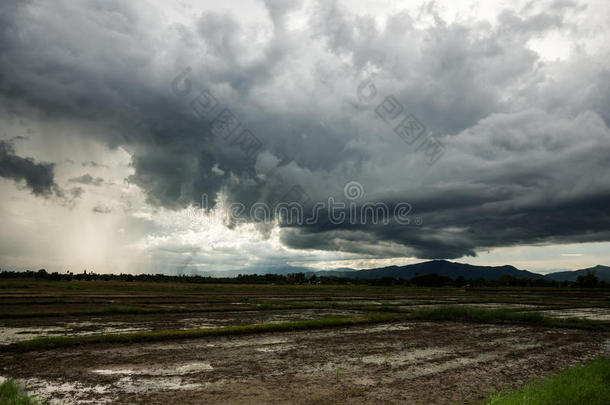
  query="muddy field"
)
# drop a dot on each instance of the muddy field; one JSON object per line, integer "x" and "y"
{"x": 393, "y": 362}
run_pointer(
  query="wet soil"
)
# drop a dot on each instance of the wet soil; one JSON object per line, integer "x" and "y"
{"x": 414, "y": 362}
{"x": 407, "y": 362}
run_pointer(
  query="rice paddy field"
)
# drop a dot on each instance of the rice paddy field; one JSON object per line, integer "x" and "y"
{"x": 113, "y": 342}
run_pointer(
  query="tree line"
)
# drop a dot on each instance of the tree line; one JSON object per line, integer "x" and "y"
{"x": 590, "y": 280}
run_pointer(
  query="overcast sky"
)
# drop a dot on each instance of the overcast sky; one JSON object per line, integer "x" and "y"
{"x": 489, "y": 120}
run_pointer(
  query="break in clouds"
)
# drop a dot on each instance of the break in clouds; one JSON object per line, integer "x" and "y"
{"x": 313, "y": 93}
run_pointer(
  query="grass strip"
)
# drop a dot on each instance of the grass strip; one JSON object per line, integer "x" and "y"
{"x": 586, "y": 384}
{"x": 12, "y": 394}
{"x": 440, "y": 313}
{"x": 64, "y": 341}
{"x": 503, "y": 315}
{"x": 139, "y": 310}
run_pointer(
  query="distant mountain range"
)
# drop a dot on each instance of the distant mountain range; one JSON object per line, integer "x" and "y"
{"x": 440, "y": 267}
{"x": 444, "y": 268}
{"x": 602, "y": 272}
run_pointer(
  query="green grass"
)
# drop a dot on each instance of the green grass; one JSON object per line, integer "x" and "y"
{"x": 587, "y": 384}
{"x": 63, "y": 341}
{"x": 12, "y": 394}
{"x": 503, "y": 315}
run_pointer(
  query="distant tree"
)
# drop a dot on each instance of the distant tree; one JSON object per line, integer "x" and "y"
{"x": 507, "y": 280}
{"x": 589, "y": 280}
{"x": 298, "y": 278}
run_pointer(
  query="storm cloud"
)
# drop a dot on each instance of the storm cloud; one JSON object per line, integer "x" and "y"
{"x": 526, "y": 141}
{"x": 38, "y": 177}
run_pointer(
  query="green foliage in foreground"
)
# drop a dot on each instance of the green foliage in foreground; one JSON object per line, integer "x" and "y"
{"x": 588, "y": 384}
{"x": 62, "y": 341}
{"x": 12, "y": 394}
{"x": 502, "y": 315}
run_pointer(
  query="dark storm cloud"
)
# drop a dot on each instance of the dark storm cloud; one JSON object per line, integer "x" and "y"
{"x": 527, "y": 142}
{"x": 38, "y": 177}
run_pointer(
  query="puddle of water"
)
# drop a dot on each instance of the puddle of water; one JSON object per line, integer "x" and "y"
{"x": 110, "y": 330}
{"x": 67, "y": 393}
{"x": 492, "y": 305}
{"x": 9, "y": 335}
{"x": 147, "y": 385}
{"x": 194, "y": 368}
{"x": 275, "y": 349}
{"x": 189, "y": 368}
{"x": 598, "y": 314}
{"x": 100, "y": 327}
{"x": 113, "y": 372}
{"x": 199, "y": 325}
{"x": 81, "y": 324}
